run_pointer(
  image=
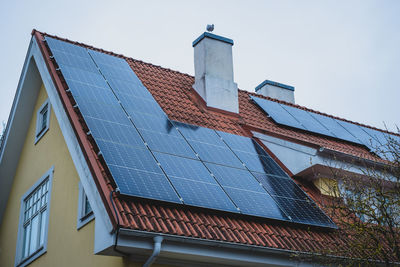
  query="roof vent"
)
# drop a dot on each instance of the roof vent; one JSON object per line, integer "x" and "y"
{"x": 276, "y": 90}
{"x": 213, "y": 67}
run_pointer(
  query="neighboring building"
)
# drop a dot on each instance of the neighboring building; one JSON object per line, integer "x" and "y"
{"x": 94, "y": 173}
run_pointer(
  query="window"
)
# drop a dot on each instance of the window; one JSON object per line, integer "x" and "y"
{"x": 85, "y": 212}
{"x": 42, "y": 120}
{"x": 33, "y": 221}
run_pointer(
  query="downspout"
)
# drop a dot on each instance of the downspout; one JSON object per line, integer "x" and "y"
{"x": 156, "y": 251}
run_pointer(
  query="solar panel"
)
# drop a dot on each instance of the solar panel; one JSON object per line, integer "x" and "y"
{"x": 168, "y": 144}
{"x": 134, "y": 105}
{"x": 320, "y": 124}
{"x": 88, "y": 93}
{"x": 57, "y": 45}
{"x": 83, "y": 76}
{"x": 194, "y": 183}
{"x": 143, "y": 184}
{"x": 130, "y": 88}
{"x": 305, "y": 212}
{"x": 280, "y": 186}
{"x": 216, "y": 154}
{"x": 159, "y": 124}
{"x": 114, "y": 132}
{"x": 200, "y": 134}
{"x": 236, "y": 178}
{"x": 356, "y": 131}
{"x": 334, "y": 127}
{"x": 177, "y": 163}
{"x": 257, "y": 204}
{"x": 241, "y": 143}
{"x": 278, "y": 113}
{"x": 307, "y": 120}
{"x": 105, "y": 59}
{"x": 66, "y": 59}
{"x": 111, "y": 113}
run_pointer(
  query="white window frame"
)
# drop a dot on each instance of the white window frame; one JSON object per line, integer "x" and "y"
{"x": 83, "y": 218}
{"x": 19, "y": 260}
{"x": 40, "y": 131}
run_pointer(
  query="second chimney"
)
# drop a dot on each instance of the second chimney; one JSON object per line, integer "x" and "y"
{"x": 213, "y": 67}
{"x": 276, "y": 90}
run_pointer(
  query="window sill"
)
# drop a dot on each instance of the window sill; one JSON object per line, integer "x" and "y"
{"x": 39, "y": 252}
{"x": 85, "y": 220}
{"x": 40, "y": 134}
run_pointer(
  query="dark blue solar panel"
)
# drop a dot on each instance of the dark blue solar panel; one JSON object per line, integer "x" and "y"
{"x": 123, "y": 74}
{"x": 307, "y": 120}
{"x": 379, "y": 139}
{"x": 237, "y": 178}
{"x": 203, "y": 194}
{"x": 84, "y": 63}
{"x": 168, "y": 144}
{"x": 114, "y": 132}
{"x": 242, "y": 143}
{"x": 112, "y": 113}
{"x": 130, "y": 88}
{"x": 159, "y": 124}
{"x": 280, "y": 186}
{"x": 126, "y": 156}
{"x": 313, "y": 122}
{"x": 65, "y": 47}
{"x": 105, "y": 59}
{"x": 89, "y": 93}
{"x": 338, "y": 130}
{"x": 134, "y": 104}
{"x": 184, "y": 168}
{"x": 278, "y": 113}
{"x": 305, "y": 212}
{"x": 356, "y": 131}
{"x": 194, "y": 183}
{"x": 216, "y": 154}
{"x": 201, "y": 134}
{"x": 260, "y": 163}
{"x": 254, "y": 203}
{"x": 82, "y": 76}
{"x": 143, "y": 184}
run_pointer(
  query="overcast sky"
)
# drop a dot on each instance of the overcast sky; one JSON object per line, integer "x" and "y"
{"x": 342, "y": 57}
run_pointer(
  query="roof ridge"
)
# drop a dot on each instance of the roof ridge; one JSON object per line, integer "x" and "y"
{"x": 107, "y": 52}
{"x": 318, "y": 112}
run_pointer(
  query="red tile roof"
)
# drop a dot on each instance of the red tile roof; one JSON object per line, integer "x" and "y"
{"x": 173, "y": 91}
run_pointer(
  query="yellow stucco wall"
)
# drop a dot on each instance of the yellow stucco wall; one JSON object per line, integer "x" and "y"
{"x": 66, "y": 245}
{"x": 328, "y": 187}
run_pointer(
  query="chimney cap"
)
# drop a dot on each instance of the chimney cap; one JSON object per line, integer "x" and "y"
{"x": 212, "y": 36}
{"x": 261, "y": 85}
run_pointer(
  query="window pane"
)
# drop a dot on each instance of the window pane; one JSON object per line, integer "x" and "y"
{"x": 44, "y": 119}
{"x": 88, "y": 208}
{"x": 34, "y": 234}
{"x": 27, "y": 231}
{"x": 42, "y": 227}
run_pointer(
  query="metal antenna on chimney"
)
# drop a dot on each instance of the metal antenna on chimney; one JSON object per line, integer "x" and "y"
{"x": 210, "y": 27}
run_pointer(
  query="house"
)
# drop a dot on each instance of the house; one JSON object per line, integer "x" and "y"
{"x": 111, "y": 161}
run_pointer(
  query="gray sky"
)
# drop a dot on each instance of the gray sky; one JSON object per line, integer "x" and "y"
{"x": 343, "y": 57}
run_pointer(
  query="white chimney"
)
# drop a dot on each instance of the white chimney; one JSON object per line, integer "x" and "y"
{"x": 213, "y": 67}
{"x": 276, "y": 90}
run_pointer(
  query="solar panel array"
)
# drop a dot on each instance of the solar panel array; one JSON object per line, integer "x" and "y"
{"x": 150, "y": 156}
{"x": 328, "y": 126}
